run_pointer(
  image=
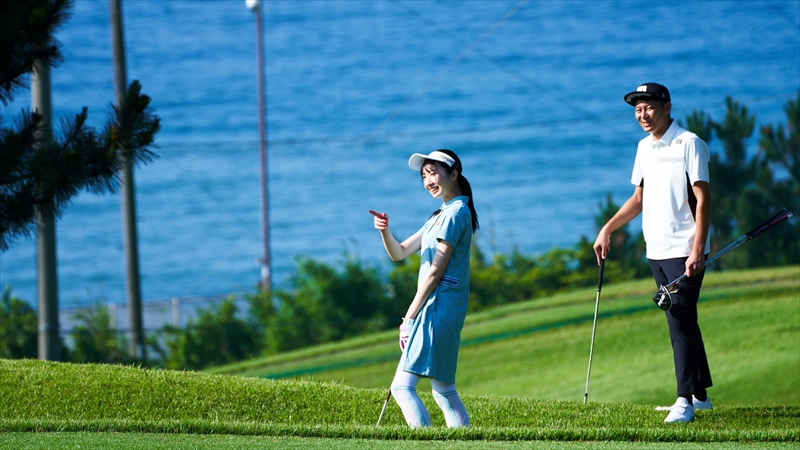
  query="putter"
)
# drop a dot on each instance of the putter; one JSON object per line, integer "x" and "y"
{"x": 388, "y": 396}
{"x": 663, "y": 297}
{"x": 594, "y": 327}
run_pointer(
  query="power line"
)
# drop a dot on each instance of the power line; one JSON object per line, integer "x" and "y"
{"x": 413, "y": 98}
{"x": 293, "y": 141}
{"x": 530, "y": 82}
{"x": 240, "y": 145}
{"x": 395, "y": 113}
{"x": 793, "y": 21}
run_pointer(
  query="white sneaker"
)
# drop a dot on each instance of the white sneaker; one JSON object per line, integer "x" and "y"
{"x": 699, "y": 406}
{"x": 681, "y": 412}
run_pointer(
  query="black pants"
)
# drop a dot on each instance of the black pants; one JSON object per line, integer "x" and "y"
{"x": 688, "y": 351}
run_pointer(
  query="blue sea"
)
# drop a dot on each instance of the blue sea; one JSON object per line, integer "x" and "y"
{"x": 529, "y": 94}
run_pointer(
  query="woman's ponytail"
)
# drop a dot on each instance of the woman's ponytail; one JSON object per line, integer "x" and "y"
{"x": 463, "y": 184}
{"x": 466, "y": 189}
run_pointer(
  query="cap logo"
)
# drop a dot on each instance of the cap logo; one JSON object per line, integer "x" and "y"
{"x": 417, "y": 160}
{"x": 445, "y": 158}
{"x": 647, "y": 91}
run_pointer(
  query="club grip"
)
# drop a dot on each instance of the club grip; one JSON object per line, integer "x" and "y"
{"x": 782, "y": 215}
{"x": 600, "y": 276}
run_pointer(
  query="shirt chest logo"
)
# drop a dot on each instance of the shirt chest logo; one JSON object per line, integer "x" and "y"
{"x": 449, "y": 281}
{"x": 671, "y": 159}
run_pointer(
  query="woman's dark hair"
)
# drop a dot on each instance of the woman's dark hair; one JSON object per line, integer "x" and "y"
{"x": 463, "y": 184}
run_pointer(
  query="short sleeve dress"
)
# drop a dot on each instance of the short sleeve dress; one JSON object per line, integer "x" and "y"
{"x": 435, "y": 335}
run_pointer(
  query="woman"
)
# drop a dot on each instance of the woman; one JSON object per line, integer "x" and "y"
{"x": 431, "y": 329}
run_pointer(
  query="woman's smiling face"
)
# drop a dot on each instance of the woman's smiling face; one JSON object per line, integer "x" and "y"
{"x": 437, "y": 182}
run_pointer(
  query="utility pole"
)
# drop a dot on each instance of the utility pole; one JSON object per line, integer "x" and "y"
{"x": 132, "y": 283}
{"x": 256, "y": 7}
{"x": 49, "y": 346}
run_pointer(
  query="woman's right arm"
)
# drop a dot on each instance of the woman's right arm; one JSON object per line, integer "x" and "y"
{"x": 396, "y": 250}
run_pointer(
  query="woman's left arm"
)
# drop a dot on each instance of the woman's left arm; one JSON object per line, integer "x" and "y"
{"x": 429, "y": 281}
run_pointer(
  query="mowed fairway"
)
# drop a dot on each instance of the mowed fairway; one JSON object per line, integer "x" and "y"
{"x": 522, "y": 374}
{"x": 539, "y": 349}
{"x": 152, "y": 441}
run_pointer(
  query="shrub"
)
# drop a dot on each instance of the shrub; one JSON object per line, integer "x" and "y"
{"x": 215, "y": 337}
{"x": 18, "y": 327}
{"x": 96, "y": 339}
{"x": 327, "y": 305}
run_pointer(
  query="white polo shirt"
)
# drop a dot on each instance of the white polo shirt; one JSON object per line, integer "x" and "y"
{"x": 669, "y": 167}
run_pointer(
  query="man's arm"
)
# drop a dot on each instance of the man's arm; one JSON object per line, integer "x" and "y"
{"x": 696, "y": 261}
{"x": 630, "y": 209}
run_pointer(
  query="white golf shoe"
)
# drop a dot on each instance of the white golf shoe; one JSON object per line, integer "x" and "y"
{"x": 699, "y": 406}
{"x": 681, "y": 412}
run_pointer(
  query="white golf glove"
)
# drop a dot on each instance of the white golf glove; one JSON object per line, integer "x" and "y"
{"x": 405, "y": 329}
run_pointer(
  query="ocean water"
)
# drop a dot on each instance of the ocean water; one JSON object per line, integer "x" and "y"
{"x": 529, "y": 94}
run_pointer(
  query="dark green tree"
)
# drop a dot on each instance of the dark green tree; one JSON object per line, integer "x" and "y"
{"x": 327, "y": 305}
{"x": 26, "y": 34}
{"x": 625, "y": 261}
{"x": 501, "y": 280}
{"x": 746, "y": 189}
{"x": 95, "y": 339}
{"x": 18, "y": 327}
{"x": 402, "y": 286}
{"x": 780, "y": 181}
{"x": 732, "y": 180}
{"x": 215, "y": 337}
{"x": 46, "y": 175}
{"x": 261, "y": 311}
{"x": 698, "y": 123}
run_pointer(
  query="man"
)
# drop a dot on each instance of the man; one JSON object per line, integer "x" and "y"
{"x": 670, "y": 173}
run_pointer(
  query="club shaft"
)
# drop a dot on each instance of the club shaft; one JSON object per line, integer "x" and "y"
{"x": 781, "y": 216}
{"x": 594, "y": 328}
{"x": 710, "y": 260}
{"x": 386, "y": 402}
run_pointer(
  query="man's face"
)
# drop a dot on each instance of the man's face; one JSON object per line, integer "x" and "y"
{"x": 653, "y": 116}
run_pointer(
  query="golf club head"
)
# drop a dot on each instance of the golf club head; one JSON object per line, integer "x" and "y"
{"x": 663, "y": 298}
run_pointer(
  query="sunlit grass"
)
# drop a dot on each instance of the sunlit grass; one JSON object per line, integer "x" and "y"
{"x": 539, "y": 349}
{"x": 522, "y": 373}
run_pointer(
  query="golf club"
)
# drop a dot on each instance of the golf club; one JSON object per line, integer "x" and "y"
{"x": 663, "y": 297}
{"x": 388, "y": 396}
{"x": 594, "y": 327}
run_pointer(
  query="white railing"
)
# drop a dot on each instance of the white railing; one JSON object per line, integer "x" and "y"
{"x": 177, "y": 312}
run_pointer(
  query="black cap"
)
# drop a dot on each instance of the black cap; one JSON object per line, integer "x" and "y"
{"x": 648, "y": 91}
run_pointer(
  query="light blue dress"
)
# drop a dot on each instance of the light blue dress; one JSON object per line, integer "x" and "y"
{"x": 435, "y": 335}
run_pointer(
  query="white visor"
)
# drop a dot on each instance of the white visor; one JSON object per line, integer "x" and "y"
{"x": 418, "y": 159}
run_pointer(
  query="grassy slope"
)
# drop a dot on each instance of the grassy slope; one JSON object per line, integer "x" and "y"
{"x": 46, "y": 396}
{"x": 758, "y": 329}
{"x": 539, "y": 349}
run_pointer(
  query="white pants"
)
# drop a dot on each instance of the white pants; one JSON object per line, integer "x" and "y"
{"x": 404, "y": 390}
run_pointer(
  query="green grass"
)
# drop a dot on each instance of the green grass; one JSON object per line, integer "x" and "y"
{"x": 46, "y": 396}
{"x": 156, "y": 441}
{"x": 522, "y": 373}
{"x": 539, "y": 349}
